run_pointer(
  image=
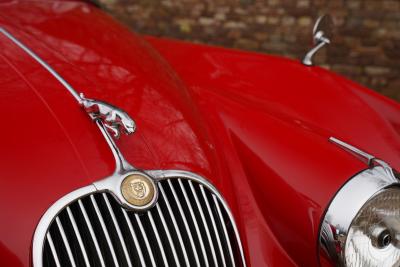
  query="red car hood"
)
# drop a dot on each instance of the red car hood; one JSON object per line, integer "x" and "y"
{"x": 256, "y": 139}
{"x": 49, "y": 146}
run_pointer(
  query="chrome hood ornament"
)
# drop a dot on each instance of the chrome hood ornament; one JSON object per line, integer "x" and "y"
{"x": 322, "y": 33}
{"x": 113, "y": 118}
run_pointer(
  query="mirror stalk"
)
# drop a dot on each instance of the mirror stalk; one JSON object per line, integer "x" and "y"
{"x": 307, "y": 60}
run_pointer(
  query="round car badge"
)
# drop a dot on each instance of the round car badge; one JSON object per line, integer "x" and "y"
{"x": 138, "y": 190}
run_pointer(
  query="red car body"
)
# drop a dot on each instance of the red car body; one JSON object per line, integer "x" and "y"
{"x": 256, "y": 125}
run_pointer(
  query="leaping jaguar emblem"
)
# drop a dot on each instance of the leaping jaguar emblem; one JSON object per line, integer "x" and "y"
{"x": 113, "y": 118}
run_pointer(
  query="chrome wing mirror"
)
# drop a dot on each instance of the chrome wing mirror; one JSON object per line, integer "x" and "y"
{"x": 322, "y": 34}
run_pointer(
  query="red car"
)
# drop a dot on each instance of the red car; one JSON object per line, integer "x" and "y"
{"x": 238, "y": 159}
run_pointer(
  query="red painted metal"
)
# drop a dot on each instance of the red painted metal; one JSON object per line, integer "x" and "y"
{"x": 257, "y": 126}
{"x": 277, "y": 116}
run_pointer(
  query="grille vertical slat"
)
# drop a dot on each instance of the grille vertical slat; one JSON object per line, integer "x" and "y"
{"x": 185, "y": 222}
{"x": 168, "y": 234}
{"x": 105, "y": 231}
{"x": 91, "y": 231}
{"x": 146, "y": 240}
{"x": 178, "y": 232}
{"x": 134, "y": 237}
{"x": 205, "y": 224}
{"x": 160, "y": 245}
{"x": 78, "y": 236}
{"x": 188, "y": 226}
{"x": 53, "y": 250}
{"x": 222, "y": 222}
{"x": 214, "y": 225}
{"x": 121, "y": 239}
{"x": 196, "y": 225}
{"x": 65, "y": 241}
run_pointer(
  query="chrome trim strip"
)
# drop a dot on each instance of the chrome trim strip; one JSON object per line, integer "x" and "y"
{"x": 160, "y": 245}
{"x": 345, "y": 206}
{"x": 120, "y": 237}
{"x": 65, "y": 241}
{"x": 160, "y": 213}
{"x": 214, "y": 225}
{"x": 205, "y": 224}
{"x": 43, "y": 63}
{"x": 134, "y": 237}
{"x": 92, "y": 234}
{"x": 221, "y": 219}
{"x": 53, "y": 250}
{"x": 177, "y": 230}
{"x": 105, "y": 231}
{"x": 185, "y": 223}
{"x": 369, "y": 158}
{"x": 146, "y": 240}
{"x": 121, "y": 164}
{"x": 78, "y": 236}
{"x": 196, "y": 225}
{"x": 82, "y": 101}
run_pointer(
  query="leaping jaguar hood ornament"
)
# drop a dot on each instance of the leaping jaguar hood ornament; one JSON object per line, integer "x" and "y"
{"x": 113, "y": 118}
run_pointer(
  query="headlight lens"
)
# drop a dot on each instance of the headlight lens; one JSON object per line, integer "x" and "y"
{"x": 374, "y": 235}
{"x": 361, "y": 226}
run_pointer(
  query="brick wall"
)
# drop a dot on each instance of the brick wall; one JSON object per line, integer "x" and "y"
{"x": 365, "y": 47}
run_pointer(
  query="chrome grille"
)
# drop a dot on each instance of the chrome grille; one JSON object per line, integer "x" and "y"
{"x": 189, "y": 226}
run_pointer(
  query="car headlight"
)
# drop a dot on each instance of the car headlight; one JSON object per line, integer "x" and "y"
{"x": 362, "y": 224}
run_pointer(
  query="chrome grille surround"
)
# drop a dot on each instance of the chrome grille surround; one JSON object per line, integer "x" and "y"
{"x": 190, "y": 225}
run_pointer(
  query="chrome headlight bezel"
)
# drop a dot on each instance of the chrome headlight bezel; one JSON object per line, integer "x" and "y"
{"x": 346, "y": 205}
